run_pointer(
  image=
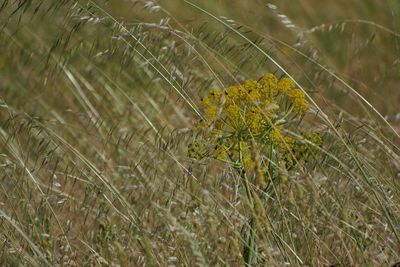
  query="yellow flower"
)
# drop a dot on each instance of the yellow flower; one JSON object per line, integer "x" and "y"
{"x": 221, "y": 152}
{"x": 314, "y": 138}
{"x": 212, "y": 112}
{"x": 275, "y": 135}
{"x": 215, "y": 95}
{"x": 232, "y": 111}
{"x": 282, "y": 141}
{"x": 248, "y": 162}
{"x": 201, "y": 125}
{"x": 254, "y": 120}
{"x": 213, "y": 98}
{"x": 252, "y": 90}
{"x": 206, "y": 101}
{"x": 269, "y": 83}
{"x": 235, "y": 93}
{"x": 285, "y": 84}
{"x": 250, "y": 85}
{"x": 298, "y": 99}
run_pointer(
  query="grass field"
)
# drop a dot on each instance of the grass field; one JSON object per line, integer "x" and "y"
{"x": 114, "y": 151}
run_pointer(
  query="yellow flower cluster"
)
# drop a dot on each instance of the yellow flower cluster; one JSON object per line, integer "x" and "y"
{"x": 293, "y": 150}
{"x": 251, "y": 105}
{"x": 300, "y": 104}
{"x": 282, "y": 141}
{"x": 254, "y": 112}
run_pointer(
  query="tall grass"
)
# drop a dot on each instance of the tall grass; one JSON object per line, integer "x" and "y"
{"x": 98, "y": 102}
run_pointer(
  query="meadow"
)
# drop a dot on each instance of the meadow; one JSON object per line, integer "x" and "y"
{"x": 199, "y": 133}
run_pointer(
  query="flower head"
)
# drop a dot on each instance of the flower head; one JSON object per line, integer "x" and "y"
{"x": 252, "y": 116}
{"x": 298, "y": 99}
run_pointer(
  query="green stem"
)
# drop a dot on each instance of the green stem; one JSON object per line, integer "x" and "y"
{"x": 250, "y": 249}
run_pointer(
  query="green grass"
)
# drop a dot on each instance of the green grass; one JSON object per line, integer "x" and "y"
{"x": 98, "y": 102}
